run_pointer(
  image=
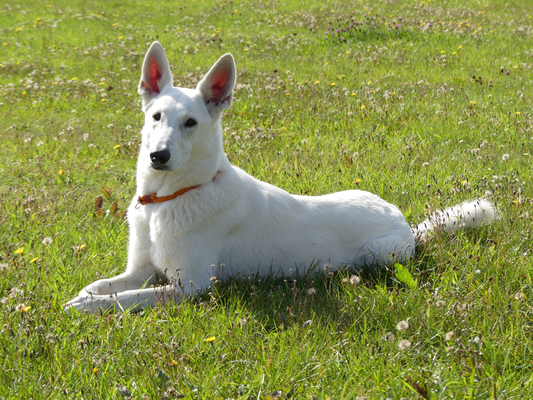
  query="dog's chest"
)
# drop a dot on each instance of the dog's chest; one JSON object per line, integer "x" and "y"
{"x": 157, "y": 222}
{"x": 168, "y": 221}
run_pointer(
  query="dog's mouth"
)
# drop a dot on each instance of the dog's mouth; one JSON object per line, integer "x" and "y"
{"x": 159, "y": 167}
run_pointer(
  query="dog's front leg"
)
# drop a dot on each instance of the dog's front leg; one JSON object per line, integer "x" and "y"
{"x": 129, "y": 280}
{"x": 133, "y": 300}
{"x": 140, "y": 269}
{"x": 103, "y": 293}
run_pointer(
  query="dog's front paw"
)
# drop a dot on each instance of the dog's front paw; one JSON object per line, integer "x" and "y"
{"x": 96, "y": 288}
{"x": 88, "y": 304}
{"x": 77, "y": 303}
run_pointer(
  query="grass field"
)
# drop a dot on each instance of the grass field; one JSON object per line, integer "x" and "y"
{"x": 425, "y": 103}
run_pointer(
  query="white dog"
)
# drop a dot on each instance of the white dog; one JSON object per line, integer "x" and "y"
{"x": 195, "y": 214}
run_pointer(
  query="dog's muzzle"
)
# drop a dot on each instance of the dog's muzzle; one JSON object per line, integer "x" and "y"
{"x": 160, "y": 159}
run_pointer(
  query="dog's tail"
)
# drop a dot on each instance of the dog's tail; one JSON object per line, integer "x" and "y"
{"x": 470, "y": 214}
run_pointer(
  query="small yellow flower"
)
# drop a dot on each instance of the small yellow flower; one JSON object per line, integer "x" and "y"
{"x": 473, "y": 103}
{"x": 74, "y": 79}
{"x": 121, "y": 37}
{"x": 101, "y": 83}
{"x": 174, "y": 362}
{"x": 363, "y": 107}
{"x": 369, "y": 83}
{"x": 20, "y": 251}
{"x": 95, "y": 370}
{"x": 210, "y": 339}
{"x": 347, "y": 52}
{"x": 454, "y": 53}
{"x": 356, "y": 182}
{"x": 22, "y": 308}
{"x": 442, "y": 52}
{"x": 34, "y": 259}
{"x": 333, "y": 84}
{"x": 452, "y": 100}
{"x": 61, "y": 172}
{"x": 102, "y": 100}
{"x": 517, "y": 113}
{"x": 117, "y": 146}
{"x": 317, "y": 82}
{"x": 459, "y": 48}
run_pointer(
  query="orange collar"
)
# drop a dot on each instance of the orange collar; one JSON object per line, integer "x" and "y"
{"x": 152, "y": 198}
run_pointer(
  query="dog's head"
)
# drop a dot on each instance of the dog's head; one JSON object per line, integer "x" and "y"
{"x": 182, "y": 125}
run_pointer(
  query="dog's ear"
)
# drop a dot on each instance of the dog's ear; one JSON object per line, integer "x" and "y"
{"x": 155, "y": 73}
{"x": 217, "y": 86}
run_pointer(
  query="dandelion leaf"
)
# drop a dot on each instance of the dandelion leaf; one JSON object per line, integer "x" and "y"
{"x": 404, "y": 276}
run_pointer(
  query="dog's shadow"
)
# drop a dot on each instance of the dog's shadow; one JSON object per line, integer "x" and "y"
{"x": 318, "y": 296}
{"x": 336, "y": 299}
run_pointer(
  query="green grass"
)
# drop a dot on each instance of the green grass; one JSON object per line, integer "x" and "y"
{"x": 434, "y": 112}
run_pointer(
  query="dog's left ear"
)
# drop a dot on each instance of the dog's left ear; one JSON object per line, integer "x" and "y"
{"x": 217, "y": 86}
{"x": 155, "y": 73}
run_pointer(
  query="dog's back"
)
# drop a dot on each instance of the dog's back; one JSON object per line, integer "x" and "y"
{"x": 267, "y": 227}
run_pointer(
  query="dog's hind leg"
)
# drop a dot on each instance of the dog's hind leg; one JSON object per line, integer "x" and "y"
{"x": 396, "y": 246}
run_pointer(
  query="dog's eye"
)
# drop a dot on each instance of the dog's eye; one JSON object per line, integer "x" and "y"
{"x": 156, "y": 116}
{"x": 190, "y": 123}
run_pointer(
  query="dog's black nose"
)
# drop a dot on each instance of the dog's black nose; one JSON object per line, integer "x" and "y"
{"x": 160, "y": 157}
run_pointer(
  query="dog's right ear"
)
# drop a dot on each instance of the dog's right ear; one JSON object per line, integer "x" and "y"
{"x": 155, "y": 73}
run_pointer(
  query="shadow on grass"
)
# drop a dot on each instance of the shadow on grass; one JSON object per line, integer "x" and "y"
{"x": 279, "y": 302}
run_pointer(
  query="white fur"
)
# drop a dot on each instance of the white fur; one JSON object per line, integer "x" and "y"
{"x": 237, "y": 224}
